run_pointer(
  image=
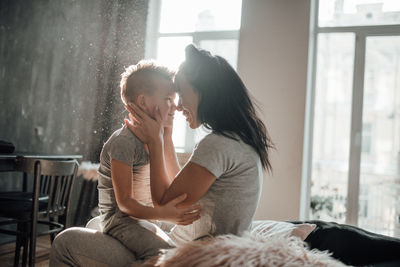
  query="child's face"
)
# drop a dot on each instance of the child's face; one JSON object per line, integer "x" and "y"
{"x": 163, "y": 97}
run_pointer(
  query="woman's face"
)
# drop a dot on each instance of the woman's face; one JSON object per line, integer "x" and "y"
{"x": 163, "y": 98}
{"x": 188, "y": 100}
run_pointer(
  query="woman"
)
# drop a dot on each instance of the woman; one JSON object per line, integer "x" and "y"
{"x": 224, "y": 173}
{"x": 226, "y": 183}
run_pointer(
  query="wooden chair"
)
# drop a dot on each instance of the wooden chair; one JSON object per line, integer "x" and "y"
{"x": 47, "y": 204}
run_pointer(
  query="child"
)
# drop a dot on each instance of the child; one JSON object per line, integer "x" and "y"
{"x": 125, "y": 202}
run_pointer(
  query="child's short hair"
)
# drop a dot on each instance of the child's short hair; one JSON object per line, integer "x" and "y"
{"x": 140, "y": 78}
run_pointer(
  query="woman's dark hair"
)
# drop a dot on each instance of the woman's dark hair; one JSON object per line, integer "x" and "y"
{"x": 225, "y": 106}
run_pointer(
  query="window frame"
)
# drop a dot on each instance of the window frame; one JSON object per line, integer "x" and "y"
{"x": 361, "y": 33}
{"x": 153, "y": 34}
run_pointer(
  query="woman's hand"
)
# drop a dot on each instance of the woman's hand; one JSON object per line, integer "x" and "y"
{"x": 147, "y": 129}
{"x": 179, "y": 215}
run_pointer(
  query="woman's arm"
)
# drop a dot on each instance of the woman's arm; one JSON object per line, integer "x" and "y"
{"x": 122, "y": 183}
{"x": 171, "y": 159}
{"x": 159, "y": 180}
{"x": 193, "y": 180}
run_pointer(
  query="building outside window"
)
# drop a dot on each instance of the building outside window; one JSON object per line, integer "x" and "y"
{"x": 209, "y": 24}
{"x": 354, "y": 147}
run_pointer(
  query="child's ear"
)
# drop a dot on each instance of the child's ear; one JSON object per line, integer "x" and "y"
{"x": 141, "y": 102}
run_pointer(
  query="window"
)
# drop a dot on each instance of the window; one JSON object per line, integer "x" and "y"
{"x": 173, "y": 24}
{"x": 358, "y": 12}
{"x": 353, "y": 146}
{"x": 366, "y": 138}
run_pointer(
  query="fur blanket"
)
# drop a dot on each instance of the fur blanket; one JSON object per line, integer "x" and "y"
{"x": 249, "y": 250}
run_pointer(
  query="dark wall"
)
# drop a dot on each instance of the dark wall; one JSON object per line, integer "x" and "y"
{"x": 60, "y": 62}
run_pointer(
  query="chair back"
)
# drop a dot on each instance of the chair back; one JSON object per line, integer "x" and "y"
{"x": 52, "y": 186}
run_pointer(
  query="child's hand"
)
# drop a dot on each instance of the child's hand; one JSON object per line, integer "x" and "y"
{"x": 182, "y": 216}
{"x": 143, "y": 126}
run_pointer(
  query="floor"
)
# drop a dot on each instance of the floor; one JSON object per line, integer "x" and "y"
{"x": 42, "y": 253}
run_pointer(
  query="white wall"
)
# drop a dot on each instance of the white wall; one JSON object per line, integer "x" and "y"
{"x": 272, "y": 62}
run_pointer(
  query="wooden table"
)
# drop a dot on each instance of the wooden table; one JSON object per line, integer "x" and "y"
{"x": 8, "y": 161}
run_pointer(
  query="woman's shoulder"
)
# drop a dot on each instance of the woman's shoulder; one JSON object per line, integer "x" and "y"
{"x": 224, "y": 153}
{"x": 226, "y": 143}
{"x": 221, "y": 139}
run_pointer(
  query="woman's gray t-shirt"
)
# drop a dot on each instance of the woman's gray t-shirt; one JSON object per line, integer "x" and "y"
{"x": 229, "y": 205}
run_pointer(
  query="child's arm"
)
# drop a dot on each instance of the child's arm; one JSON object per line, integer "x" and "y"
{"x": 171, "y": 160}
{"x": 121, "y": 175}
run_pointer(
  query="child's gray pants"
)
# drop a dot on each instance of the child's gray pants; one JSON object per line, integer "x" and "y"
{"x": 127, "y": 243}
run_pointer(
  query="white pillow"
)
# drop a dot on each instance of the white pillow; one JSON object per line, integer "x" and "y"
{"x": 248, "y": 250}
{"x": 267, "y": 228}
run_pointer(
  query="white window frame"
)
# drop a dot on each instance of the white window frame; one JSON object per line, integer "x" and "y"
{"x": 153, "y": 34}
{"x": 361, "y": 33}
